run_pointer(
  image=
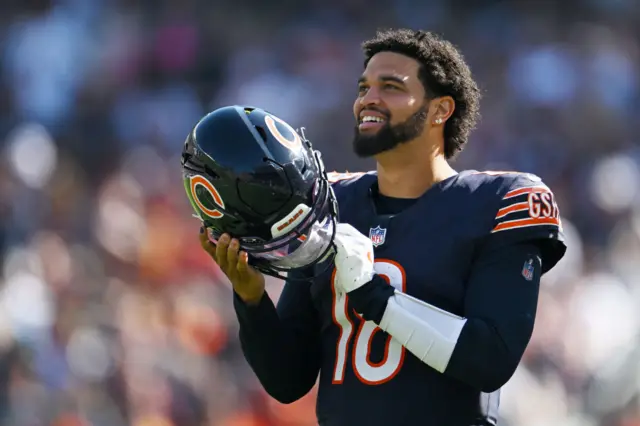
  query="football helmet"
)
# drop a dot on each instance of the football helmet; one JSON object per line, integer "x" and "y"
{"x": 249, "y": 174}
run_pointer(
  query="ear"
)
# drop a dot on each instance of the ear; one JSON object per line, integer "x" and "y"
{"x": 442, "y": 108}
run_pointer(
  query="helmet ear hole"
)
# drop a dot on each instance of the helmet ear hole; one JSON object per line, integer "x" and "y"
{"x": 185, "y": 158}
{"x": 211, "y": 173}
{"x": 262, "y": 132}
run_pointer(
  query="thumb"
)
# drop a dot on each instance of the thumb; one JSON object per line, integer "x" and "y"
{"x": 206, "y": 244}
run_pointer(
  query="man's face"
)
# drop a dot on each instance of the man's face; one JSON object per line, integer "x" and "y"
{"x": 391, "y": 107}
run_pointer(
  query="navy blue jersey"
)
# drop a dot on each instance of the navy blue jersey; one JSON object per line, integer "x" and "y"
{"x": 430, "y": 248}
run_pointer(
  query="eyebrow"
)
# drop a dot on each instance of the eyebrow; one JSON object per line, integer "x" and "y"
{"x": 384, "y": 79}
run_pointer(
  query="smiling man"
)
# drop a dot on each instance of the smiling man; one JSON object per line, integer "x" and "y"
{"x": 433, "y": 297}
{"x": 391, "y": 73}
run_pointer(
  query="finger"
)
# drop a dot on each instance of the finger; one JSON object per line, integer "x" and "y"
{"x": 206, "y": 244}
{"x": 245, "y": 270}
{"x": 221, "y": 251}
{"x": 232, "y": 255}
{"x": 243, "y": 265}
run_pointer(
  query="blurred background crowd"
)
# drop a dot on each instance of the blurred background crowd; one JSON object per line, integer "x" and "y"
{"x": 110, "y": 315}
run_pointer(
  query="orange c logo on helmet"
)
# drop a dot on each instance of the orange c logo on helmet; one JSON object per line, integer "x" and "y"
{"x": 215, "y": 195}
{"x": 292, "y": 144}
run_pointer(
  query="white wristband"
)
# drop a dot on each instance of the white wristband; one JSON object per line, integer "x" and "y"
{"x": 426, "y": 331}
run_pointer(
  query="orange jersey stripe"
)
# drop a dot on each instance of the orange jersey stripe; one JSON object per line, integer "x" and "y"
{"x": 334, "y": 177}
{"x": 522, "y": 223}
{"x": 527, "y": 190}
{"x": 518, "y": 207}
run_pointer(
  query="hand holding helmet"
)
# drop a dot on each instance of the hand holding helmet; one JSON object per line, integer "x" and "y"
{"x": 246, "y": 281}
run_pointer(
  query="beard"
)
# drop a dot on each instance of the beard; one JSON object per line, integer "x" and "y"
{"x": 388, "y": 137}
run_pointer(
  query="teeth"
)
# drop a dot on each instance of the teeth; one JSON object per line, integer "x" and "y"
{"x": 370, "y": 118}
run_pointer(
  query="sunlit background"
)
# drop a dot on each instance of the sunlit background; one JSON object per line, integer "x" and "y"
{"x": 110, "y": 315}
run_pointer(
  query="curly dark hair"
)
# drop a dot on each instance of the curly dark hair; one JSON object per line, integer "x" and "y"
{"x": 443, "y": 72}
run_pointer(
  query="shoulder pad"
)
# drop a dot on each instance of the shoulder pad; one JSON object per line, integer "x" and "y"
{"x": 344, "y": 180}
{"x": 501, "y": 179}
{"x": 347, "y": 186}
{"x": 338, "y": 176}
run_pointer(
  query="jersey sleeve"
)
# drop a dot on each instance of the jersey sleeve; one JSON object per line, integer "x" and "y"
{"x": 500, "y": 308}
{"x": 282, "y": 344}
{"x": 527, "y": 212}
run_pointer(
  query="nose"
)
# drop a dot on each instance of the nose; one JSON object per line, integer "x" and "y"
{"x": 371, "y": 97}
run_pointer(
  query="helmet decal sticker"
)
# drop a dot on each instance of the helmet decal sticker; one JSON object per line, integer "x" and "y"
{"x": 204, "y": 194}
{"x": 292, "y": 144}
{"x": 290, "y": 221}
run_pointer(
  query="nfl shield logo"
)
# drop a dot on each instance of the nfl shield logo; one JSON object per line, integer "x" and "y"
{"x": 527, "y": 270}
{"x": 377, "y": 235}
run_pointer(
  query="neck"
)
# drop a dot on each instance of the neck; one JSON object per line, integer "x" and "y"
{"x": 403, "y": 173}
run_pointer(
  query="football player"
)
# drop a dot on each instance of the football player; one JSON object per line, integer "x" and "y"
{"x": 421, "y": 305}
